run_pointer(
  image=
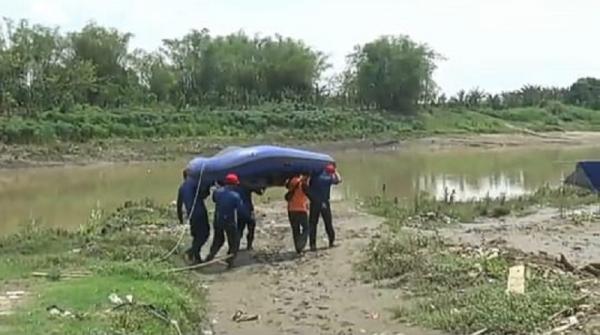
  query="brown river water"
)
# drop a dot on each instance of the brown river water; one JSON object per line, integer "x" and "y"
{"x": 65, "y": 196}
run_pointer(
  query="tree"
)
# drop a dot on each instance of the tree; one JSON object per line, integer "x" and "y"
{"x": 475, "y": 97}
{"x": 392, "y": 73}
{"x": 156, "y": 77}
{"x": 585, "y": 92}
{"x": 238, "y": 69}
{"x": 106, "y": 50}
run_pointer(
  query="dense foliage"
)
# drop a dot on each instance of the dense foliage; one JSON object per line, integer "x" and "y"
{"x": 277, "y": 121}
{"x": 392, "y": 73}
{"x": 41, "y": 69}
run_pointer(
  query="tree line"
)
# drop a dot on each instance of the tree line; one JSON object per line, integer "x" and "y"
{"x": 585, "y": 92}
{"x": 42, "y": 68}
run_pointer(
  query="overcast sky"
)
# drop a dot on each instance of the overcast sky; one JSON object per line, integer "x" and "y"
{"x": 492, "y": 44}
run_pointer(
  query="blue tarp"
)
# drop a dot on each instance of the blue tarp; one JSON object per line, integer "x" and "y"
{"x": 265, "y": 164}
{"x": 586, "y": 175}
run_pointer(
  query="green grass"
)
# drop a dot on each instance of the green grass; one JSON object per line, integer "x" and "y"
{"x": 553, "y": 116}
{"x": 488, "y": 306}
{"x": 461, "y": 121}
{"x": 122, "y": 254}
{"x": 89, "y": 298}
{"x": 276, "y": 121}
{"x": 285, "y": 121}
{"x": 461, "y": 290}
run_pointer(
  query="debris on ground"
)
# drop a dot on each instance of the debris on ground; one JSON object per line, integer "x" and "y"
{"x": 54, "y": 310}
{"x": 241, "y": 316}
{"x": 373, "y": 316}
{"x": 62, "y": 275}
{"x": 115, "y": 299}
{"x": 570, "y": 322}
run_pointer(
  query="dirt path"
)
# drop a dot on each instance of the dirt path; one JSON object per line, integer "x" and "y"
{"x": 313, "y": 294}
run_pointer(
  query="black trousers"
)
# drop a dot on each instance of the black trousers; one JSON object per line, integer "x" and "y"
{"x": 200, "y": 231}
{"x": 317, "y": 210}
{"x": 233, "y": 241}
{"x": 299, "y": 223}
{"x": 251, "y": 224}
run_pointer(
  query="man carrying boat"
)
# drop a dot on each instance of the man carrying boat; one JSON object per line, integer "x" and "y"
{"x": 319, "y": 191}
{"x": 196, "y": 214}
{"x": 245, "y": 192}
{"x": 298, "y": 210}
{"x": 228, "y": 207}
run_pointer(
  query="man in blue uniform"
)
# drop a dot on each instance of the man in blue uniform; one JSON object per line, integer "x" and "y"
{"x": 228, "y": 207}
{"x": 196, "y": 214}
{"x": 319, "y": 191}
{"x": 245, "y": 192}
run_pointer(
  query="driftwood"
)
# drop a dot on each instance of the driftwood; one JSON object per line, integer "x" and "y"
{"x": 592, "y": 268}
{"x": 480, "y": 332}
{"x": 567, "y": 265}
{"x": 559, "y": 313}
{"x": 198, "y": 266}
{"x": 241, "y": 316}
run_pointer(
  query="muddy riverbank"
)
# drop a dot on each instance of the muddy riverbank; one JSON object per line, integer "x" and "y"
{"x": 64, "y": 154}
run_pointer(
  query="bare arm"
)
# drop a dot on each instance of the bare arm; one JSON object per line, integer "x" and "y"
{"x": 337, "y": 178}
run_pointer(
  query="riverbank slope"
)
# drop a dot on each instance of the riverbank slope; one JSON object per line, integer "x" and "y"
{"x": 119, "y": 151}
{"x": 89, "y": 135}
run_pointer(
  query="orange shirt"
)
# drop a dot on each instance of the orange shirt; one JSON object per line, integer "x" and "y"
{"x": 299, "y": 201}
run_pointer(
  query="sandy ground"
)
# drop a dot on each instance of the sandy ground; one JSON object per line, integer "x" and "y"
{"x": 574, "y": 233}
{"x": 317, "y": 293}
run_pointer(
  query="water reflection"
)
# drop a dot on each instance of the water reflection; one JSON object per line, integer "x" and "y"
{"x": 463, "y": 188}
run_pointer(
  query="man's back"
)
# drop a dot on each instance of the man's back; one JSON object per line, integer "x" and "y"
{"x": 187, "y": 193}
{"x": 298, "y": 202}
{"x": 227, "y": 202}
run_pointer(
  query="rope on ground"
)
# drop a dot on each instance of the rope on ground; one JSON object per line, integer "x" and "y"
{"x": 197, "y": 266}
{"x": 182, "y": 234}
{"x": 175, "y": 247}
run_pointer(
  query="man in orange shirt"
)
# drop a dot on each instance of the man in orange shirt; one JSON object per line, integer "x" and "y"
{"x": 298, "y": 210}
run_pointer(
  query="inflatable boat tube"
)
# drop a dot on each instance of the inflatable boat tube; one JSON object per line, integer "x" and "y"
{"x": 262, "y": 166}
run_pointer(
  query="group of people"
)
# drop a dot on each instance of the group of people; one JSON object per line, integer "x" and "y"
{"x": 307, "y": 198}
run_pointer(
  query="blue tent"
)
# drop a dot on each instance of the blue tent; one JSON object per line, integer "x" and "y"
{"x": 586, "y": 175}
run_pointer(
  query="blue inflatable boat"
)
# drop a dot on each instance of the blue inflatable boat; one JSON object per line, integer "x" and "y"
{"x": 263, "y": 165}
